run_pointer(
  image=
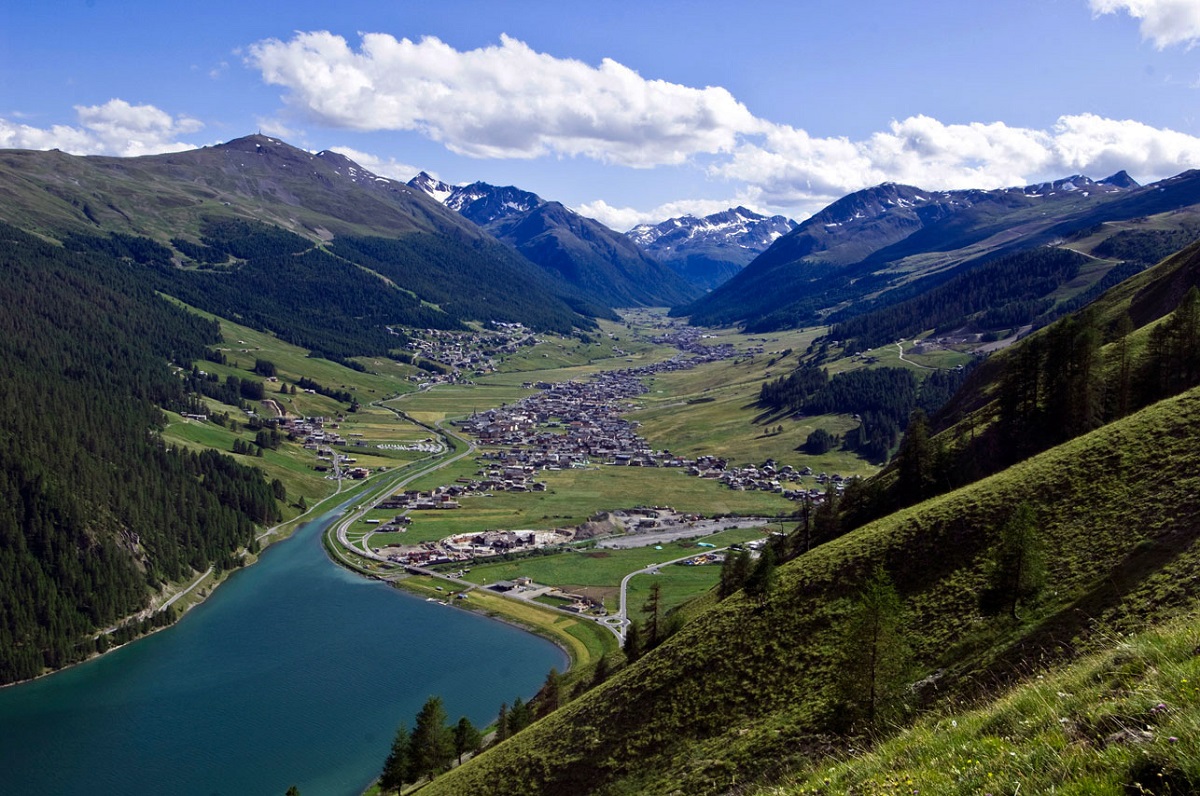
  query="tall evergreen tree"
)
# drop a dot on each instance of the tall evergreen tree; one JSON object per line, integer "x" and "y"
{"x": 432, "y": 742}
{"x": 503, "y": 730}
{"x": 651, "y": 609}
{"x": 633, "y": 641}
{"x": 550, "y": 696}
{"x": 1017, "y": 570}
{"x": 397, "y": 769}
{"x": 734, "y": 571}
{"x": 762, "y": 578}
{"x": 520, "y": 716}
{"x": 467, "y": 739}
{"x": 875, "y": 653}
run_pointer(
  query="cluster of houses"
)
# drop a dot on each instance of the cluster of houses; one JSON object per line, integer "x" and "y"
{"x": 574, "y": 423}
{"x": 475, "y": 352}
{"x": 492, "y": 543}
{"x": 441, "y": 498}
{"x": 469, "y": 546}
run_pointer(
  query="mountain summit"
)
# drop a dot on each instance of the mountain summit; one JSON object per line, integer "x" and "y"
{"x": 602, "y": 263}
{"x": 708, "y": 251}
{"x": 890, "y": 242}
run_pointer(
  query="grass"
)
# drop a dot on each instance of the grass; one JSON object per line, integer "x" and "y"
{"x": 679, "y": 585}
{"x": 600, "y": 568}
{"x": 573, "y": 496}
{"x": 746, "y": 692}
{"x": 1123, "y": 721}
{"x": 713, "y": 409}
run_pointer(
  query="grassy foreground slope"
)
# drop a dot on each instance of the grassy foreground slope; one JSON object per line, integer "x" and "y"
{"x": 1121, "y": 721}
{"x": 746, "y": 693}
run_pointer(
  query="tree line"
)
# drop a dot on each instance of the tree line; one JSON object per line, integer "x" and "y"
{"x": 96, "y": 511}
{"x": 882, "y": 398}
{"x": 1069, "y": 379}
{"x": 1003, "y": 293}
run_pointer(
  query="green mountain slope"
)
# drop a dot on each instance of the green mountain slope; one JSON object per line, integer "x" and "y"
{"x": 744, "y": 691}
{"x": 96, "y": 513}
{"x": 891, "y": 244}
{"x": 1120, "y": 721}
{"x": 441, "y": 271}
{"x": 602, "y": 263}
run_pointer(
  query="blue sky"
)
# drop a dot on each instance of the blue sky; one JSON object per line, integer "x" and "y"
{"x": 627, "y": 111}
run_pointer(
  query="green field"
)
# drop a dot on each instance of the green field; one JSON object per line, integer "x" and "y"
{"x": 583, "y": 640}
{"x": 599, "y": 572}
{"x": 573, "y": 496}
{"x": 678, "y": 583}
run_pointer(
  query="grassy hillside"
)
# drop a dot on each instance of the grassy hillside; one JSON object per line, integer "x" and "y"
{"x": 745, "y": 692}
{"x": 1121, "y": 721}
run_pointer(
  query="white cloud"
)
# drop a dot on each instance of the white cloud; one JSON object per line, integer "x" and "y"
{"x": 504, "y": 100}
{"x": 390, "y": 168}
{"x": 793, "y": 169}
{"x": 1164, "y": 22}
{"x": 114, "y": 128}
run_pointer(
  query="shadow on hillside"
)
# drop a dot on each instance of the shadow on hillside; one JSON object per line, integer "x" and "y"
{"x": 1053, "y": 638}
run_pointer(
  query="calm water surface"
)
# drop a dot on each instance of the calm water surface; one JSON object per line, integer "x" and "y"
{"x": 294, "y": 672}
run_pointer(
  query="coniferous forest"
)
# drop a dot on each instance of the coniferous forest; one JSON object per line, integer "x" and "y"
{"x": 95, "y": 511}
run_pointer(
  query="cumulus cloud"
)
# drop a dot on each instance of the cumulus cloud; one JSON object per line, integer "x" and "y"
{"x": 794, "y": 169}
{"x": 505, "y": 100}
{"x": 390, "y": 167}
{"x": 1164, "y": 22}
{"x": 114, "y": 128}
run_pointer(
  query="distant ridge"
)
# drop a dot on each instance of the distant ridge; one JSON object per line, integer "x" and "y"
{"x": 605, "y": 265}
{"x": 378, "y": 252}
{"x": 710, "y": 250}
{"x": 891, "y": 241}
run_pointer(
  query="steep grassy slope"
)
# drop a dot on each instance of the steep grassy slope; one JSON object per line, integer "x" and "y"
{"x": 1122, "y": 721}
{"x": 744, "y": 692}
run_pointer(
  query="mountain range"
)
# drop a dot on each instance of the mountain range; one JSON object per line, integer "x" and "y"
{"x": 890, "y": 243}
{"x": 366, "y": 252}
{"x": 708, "y": 251}
{"x": 871, "y": 625}
{"x": 584, "y": 252}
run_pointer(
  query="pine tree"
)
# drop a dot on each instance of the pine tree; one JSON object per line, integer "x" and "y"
{"x": 503, "y": 730}
{"x": 1017, "y": 569}
{"x": 432, "y": 742}
{"x": 633, "y": 641}
{"x": 551, "y": 694}
{"x": 875, "y": 653}
{"x": 762, "y": 579}
{"x": 651, "y": 609}
{"x": 601, "y": 672}
{"x": 397, "y": 769}
{"x": 467, "y": 739}
{"x": 519, "y": 716}
{"x": 734, "y": 571}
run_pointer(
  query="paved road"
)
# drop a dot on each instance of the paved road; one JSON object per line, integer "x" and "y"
{"x": 344, "y": 524}
{"x": 622, "y": 613}
{"x": 900, "y": 346}
{"x": 687, "y": 531}
{"x": 195, "y": 583}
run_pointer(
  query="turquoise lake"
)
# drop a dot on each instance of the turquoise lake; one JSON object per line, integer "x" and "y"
{"x": 294, "y": 672}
